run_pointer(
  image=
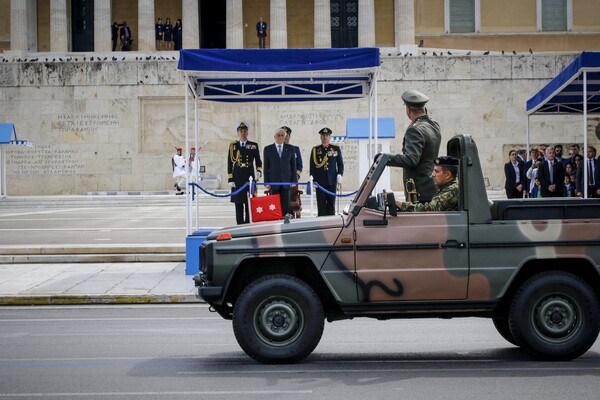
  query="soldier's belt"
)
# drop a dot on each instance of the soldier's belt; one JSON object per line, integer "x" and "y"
{"x": 243, "y": 165}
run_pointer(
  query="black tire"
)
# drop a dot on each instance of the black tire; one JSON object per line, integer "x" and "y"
{"x": 555, "y": 316}
{"x": 503, "y": 329}
{"x": 278, "y": 319}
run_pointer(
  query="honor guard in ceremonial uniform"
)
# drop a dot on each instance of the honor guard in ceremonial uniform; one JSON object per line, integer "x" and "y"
{"x": 419, "y": 148}
{"x": 242, "y": 156}
{"x": 178, "y": 164}
{"x": 327, "y": 169}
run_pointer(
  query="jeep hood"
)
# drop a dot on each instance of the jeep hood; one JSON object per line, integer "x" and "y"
{"x": 275, "y": 227}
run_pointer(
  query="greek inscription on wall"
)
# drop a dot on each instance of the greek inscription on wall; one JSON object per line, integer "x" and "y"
{"x": 350, "y": 152}
{"x": 88, "y": 123}
{"x": 43, "y": 160}
{"x": 309, "y": 117}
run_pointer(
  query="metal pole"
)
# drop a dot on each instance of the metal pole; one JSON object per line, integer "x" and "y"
{"x": 188, "y": 208}
{"x": 585, "y": 141}
{"x": 2, "y": 171}
{"x": 196, "y": 160}
{"x": 312, "y": 196}
{"x": 250, "y": 192}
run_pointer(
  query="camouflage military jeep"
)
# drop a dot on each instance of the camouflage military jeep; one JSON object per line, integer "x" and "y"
{"x": 531, "y": 265}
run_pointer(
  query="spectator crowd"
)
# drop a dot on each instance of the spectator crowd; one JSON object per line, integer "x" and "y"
{"x": 547, "y": 172}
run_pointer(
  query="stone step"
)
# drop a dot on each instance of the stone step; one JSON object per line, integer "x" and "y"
{"x": 49, "y": 254}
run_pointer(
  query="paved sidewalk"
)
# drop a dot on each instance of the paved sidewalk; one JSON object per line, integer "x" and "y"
{"x": 105, "y": 283}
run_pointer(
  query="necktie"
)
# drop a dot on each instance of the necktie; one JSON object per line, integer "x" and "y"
{"x": 591, "y": 172}
{"x": 279, "y": 150}
{"x": 243, "y": 145}
{"x": 551, "y": 165}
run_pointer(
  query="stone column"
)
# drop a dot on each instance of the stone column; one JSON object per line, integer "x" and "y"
{"x": 322, "y": 24}
{"x": 366, "y": 23}
{"x": 404, "y": 21}
{"x": 235, "y": 30}
{"x": 278, "y": 29}
{"x": 102, "y": 25}
{"x": 191, "y": 24}
{"x": 18, "y": 25}
{"x": 59, "y": 31}
{"x": 146, "y": 40}
{"x": 32, "y": 25}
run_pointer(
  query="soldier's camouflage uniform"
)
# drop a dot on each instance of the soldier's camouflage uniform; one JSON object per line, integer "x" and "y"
{"x": 446, "y": 199}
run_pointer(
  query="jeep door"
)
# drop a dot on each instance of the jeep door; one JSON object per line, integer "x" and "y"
{"x": 417, "y": 256}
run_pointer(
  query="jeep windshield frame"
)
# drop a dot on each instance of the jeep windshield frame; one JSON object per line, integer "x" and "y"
{"x": 368, "y": 185}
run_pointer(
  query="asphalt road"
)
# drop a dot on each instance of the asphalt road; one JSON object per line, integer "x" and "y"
{"x": 184, "y": 351}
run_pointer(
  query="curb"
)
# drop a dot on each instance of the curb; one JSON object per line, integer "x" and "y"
{"x": 15, "y": 300}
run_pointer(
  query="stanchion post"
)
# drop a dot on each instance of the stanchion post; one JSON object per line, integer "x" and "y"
{"x": 250, "y": 194}
{"x": 312, "y": 194}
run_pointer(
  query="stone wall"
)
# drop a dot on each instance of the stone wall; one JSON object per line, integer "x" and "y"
{"x": 112, "y": 125}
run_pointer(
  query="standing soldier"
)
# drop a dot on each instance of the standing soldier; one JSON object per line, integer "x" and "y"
{"x": 241, "y": 157}
{"x": 419, "y": 148}
{"x": 193, "y": 165}
{"x": 178, "y": 164}
{"x": 326, "y": 168}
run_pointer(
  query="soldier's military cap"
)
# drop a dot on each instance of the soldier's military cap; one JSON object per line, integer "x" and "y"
{"x": 242, "y": 126}
{"x": 446, "y": 161}
{"x": 287, "y": 130}
{"x": 325, "y": 131}
{"x": 414, "y": 98}
{"x": 179, "y": 149}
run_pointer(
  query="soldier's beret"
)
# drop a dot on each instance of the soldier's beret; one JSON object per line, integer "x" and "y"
{"x": 193, "y": 148}
{"x": 414, "y": 98}
{"x": 325, "y": 131}
{"x": 242, "y": 126}
{"x": 179, "y": 149}
{"x": 287, "y": 130}
{"x": 446, "y": 161}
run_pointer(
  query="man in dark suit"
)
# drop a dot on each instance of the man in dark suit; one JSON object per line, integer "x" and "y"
{"x": 327, "y": 169}
{"x": 280, "y": 166}
{"x": 593, "y": 175}
{"x": 261, "y": 32}
{"x": 242, "y": 155}
{"x": 514, "y": 172}
{"x": 299, "y": 165}
{"x": 126, "y": 39}
{"x": 551, "y": 175}
{"x": 420, "y": 146}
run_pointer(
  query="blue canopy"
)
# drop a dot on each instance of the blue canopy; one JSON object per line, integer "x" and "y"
{"x": 280, "y": 74}
{"x": 564, "y": 94}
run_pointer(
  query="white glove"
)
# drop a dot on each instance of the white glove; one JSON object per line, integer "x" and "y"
{"x": 339, "y": 178}
{"x": 232, "y": 185}
{"x": 258, "y": 174}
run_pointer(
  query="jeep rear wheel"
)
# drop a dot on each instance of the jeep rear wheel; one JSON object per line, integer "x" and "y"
{"x": 278, "y": 319}
{"x": 555, "y": 316}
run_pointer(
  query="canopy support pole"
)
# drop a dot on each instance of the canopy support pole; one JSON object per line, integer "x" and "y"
{"x": 188, "y": 200}
{"x": 196, "y": 161}
{"x": 585, "y": 141}
{"x": 2, "y": 171}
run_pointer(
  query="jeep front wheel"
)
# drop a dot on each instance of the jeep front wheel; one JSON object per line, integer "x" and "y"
{"x": 278, "y": 319}
{"x": 555, "y": 316}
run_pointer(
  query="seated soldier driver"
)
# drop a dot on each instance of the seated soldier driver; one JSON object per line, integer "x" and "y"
{"x": 446, "y": 199}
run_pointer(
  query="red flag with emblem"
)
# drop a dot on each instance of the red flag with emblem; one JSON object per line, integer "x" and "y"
{"x": 265, "y": 208}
